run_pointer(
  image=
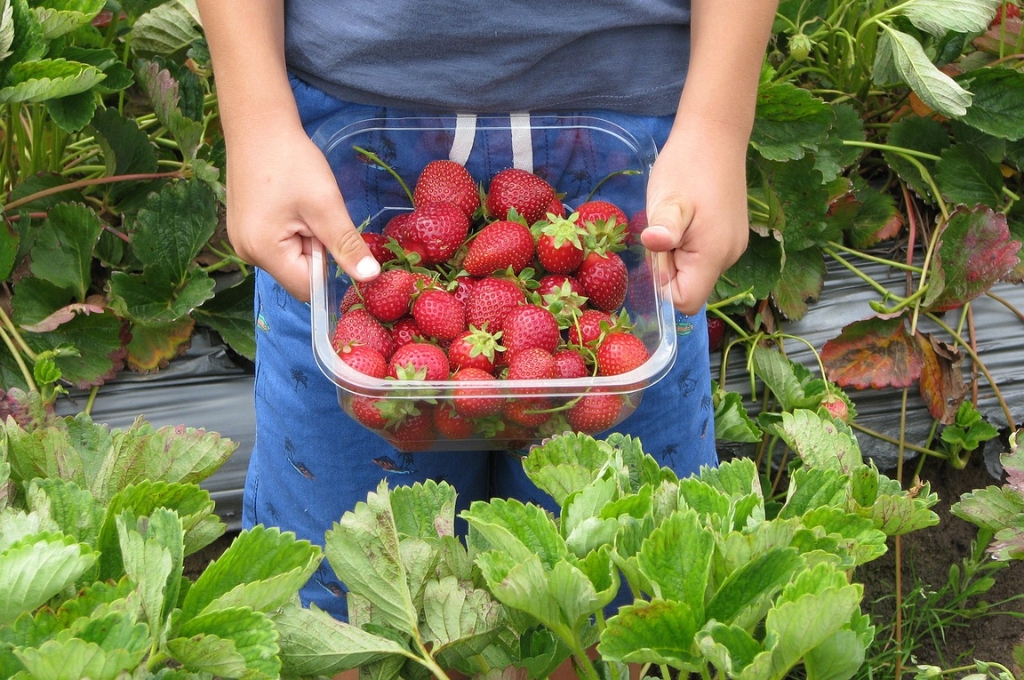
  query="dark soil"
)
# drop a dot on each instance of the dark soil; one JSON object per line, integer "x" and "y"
{"x": 971, "y": 631}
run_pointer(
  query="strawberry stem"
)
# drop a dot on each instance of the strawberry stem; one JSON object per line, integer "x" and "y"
{"x": 375, "y": 159}
{"x": 627, "y": 173}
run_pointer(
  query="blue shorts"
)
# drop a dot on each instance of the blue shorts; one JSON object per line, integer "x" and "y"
{"x": 311, "y": 462}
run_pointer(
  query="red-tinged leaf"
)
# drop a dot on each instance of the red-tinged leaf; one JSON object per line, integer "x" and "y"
{"x": 942, "y": 382}
{"x": 975, "y": 252}
{"x": 153, "y": 346}
{"x": 1013, "y": 466}
{"x": 874, "y": 353}
{"x": 62, "y": 316}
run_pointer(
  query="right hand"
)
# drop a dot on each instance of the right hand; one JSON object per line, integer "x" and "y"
{"x": 282, "y": 194}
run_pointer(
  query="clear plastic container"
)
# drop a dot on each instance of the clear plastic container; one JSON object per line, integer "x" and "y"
{"x": 373, "y": 195}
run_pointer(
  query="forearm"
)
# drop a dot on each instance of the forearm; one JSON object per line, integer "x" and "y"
{"x": 246, "y": 39}
{"x": 727, "y": 47}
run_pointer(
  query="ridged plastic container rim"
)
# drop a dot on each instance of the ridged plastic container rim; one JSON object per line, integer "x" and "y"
{"x": 323, "y": 319}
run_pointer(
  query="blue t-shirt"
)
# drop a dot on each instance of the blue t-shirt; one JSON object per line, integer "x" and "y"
{"x": 491, "y": 57}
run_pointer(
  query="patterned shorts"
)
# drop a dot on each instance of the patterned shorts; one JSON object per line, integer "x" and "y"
{"x": 311, "y": 462}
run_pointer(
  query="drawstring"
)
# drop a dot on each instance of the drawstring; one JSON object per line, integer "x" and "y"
{"x": 522, "y": 139}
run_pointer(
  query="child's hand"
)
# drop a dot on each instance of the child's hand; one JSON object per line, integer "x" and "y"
{"x": 697, "y": 209}
{"x": 281, "y": 195}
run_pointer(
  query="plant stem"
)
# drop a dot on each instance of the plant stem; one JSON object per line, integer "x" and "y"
{"x": 833, "y": 246}
{"x": 25, "y": 373}
{"x": 80, "y": 184}
{"x": 391, "y": 171}
{"x": 13, "y": 330}
{"x": 886, "y": 438}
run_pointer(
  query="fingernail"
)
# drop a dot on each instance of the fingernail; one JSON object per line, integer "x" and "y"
{"x": 368, "y": 267}
{"x": 657, "y": 227}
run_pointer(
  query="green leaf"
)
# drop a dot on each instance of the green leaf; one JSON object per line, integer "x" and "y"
{"x": 779, "y": 374}
{"x": 676, "y": 559}
{"x": 821, "y": 442}
{"x": 126, "y": 148}
{"x": 965, "y": 174}
{"x": 29, "y": 43}
{"x": 73, "y": 112}
{"x": 659, "y": 631}
{"x": 72, "y": 657}
{"x": 757, "y": 270}
{"x": 251, "y": 632}
{"x": 897, "y": 513}
{"x": 901, "y": 54}
{"x": 59, "y": 17}
{"x": 729, "y": 648}
{"x": 523, "y": 585}
{"x": 230, "y": 314}
{"x": 753, "y": 583}
{"x": 814, "y": 487}
{"x": 174, "y": 226}
{"x": 262, "y": 569}
{"x": 732, "y": 422}
{"x": 803, "y": 277}
{"x": 6, "y": 30}
{"x": 62, "y": 254}
{"x": 857, "y": 536}
{"x": 833, "y": 155}
{"x": 165, "y": 29}
{"x": 155, "y": 298}
{"x": 939, "y": 17}
{"x": 74, "y": 510}
{"x": 152, "y": 549}
{"x": 798, "y": 201}
{"x": 518, "y": 530}
{"x": 916, "y": 134}
{"x": 566, "y": 464}
{"x": 424, "y": 510}
{"x": 38, "y": 81}
{"x": 455, "y": 612}
{"x": 10, "y": 243}
{"x": 208, "y": 654}
{"x": 998, "y": 100}
{"x": 876, "y": 218}
{"x": 35, "y": 569}
{"x": 789, "y": 121}
{"x": 163, "y": 92}
{"x": 992, "y": 508}
{"x": 117, "y": 76}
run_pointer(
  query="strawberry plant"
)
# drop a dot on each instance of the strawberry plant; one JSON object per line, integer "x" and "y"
{"x": 110, "y": 174}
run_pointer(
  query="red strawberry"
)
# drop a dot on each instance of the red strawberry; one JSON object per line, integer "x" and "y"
{"x": 587, "y": 329}
{"x": 556, "y": 208}
{"x": 529, "y": 412}
{"x": 395, "y": 226}
{"x": 359, "y": 327}
{"x": 404, "y": 331}
{"x": 637, "y": 223}
{"x": 351, "y": 298}
{"x": 551, "y": 284}
{"x": 475, "y": 403}
{"x": 529, "y": 326}
{"x": 389, "y": 296}
{"x": 364, "y": 359}
{"x": 463, "y": 284}
{"x": 447, "y": 182}
{"x": 419, "y": 361}
{"x": 367, "y": 410}
{"x": 377, "y": 243}
{"x": 560, "y": 246}
{"x": 490, "y": 300}
{"x": 532, "y": 363}
{"x": 435, "y": 231}
{"x": 439, "y": 314}
{"x": 499, "y": 246}
{"x": 716, "y": 333}
{"x": 620, "y": 352}
{"x": 524, "y": 191}
{"x": 837, "y": 407}
{"x": 595, "y": 413}
{"x": 601, "y": 213}
{"x": 1007, "y": 9}
{"x": 604, "y": 279}
{"x": 415, "y": 432}
{"x": 570, "y": 364}
{"x": 450, "y": 424}
{"x": 474, "y": 348}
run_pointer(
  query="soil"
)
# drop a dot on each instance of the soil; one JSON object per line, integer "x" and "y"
{"x": 927, "y": 556}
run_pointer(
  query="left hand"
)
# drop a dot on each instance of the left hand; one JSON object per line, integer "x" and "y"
{"x": 697, "y": 208}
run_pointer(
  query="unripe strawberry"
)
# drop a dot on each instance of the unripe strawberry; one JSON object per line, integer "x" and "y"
{"x": 837, "y": 407}
{"x": 800, "y": 47}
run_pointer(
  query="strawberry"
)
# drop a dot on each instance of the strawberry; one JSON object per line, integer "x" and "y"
{"x": 463, "y": 284}
{"x": 395, "y": 226}
{"x": 523, "y": 191}
{"x": 570, "y": 364}
{"x": 529, "y": 326}
{"x": 1006, "y": 10}
{"x": 351, "y": 298}
{"x": 450, "y": 424}
{"x": 499, "y": 246}
{"x": 378, "y": 245}
{"x": 838, "y": 406}
{"x": 595, "y": 412}
{"x": 474, "y": 403}
{"x": 364, "y": 359}
{"x": 560, "y": 245}
{"x": 604, "y": 279}
{"x": 562, "y": 296}
{"x": 439, "y": 314}
{"x": 556, "y": 208}
{"x": 389, "y": 296}
{"x": 716, "y": 333}
{"x": 415, "y": 432}
{"x": 359, "y": 327}
{"x": 620, "y": 352}
{"x": 446, "y": 181}
{"x": 474, "y": 348}
{"x": 551, "y": 284}
{"x": 368, "y": 411}
{"x": 605, "y": 222}
{"x": 418, "y": 361}
{"x": 435, "y": 231}
{"x": 404, "y": 331}
{"x": 587, "y": 331}
{"x": 531, "y": 412}
{"x": 637, "y": 223}
{"x": 532, "y": 363}
{"x": 490, "y": 300}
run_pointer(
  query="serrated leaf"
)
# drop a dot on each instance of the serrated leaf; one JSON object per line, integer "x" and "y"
{"x": 523, "y": 585}
{"x": 833, "y": 156}
{"x": 37, "y": 81}
{"x": 174, "y": 226}
{"x": 998, "y": 100}
{"x": 676, "y": 559}
{"x": 118, "y": 76}
{"x": 60, "y": 18}
{"x": 803, "y": 277}
{"x": 991, "y": 508}
{"x": 152, "y": 551}
{"x": 732, "y": 422}
{"x": 876, "y": 218}
{"x": 789, "y": 122}
{"x": 73, "y": 112}
{"x": 252, "y": 633}
{"x": 35, "y": 570}
{"x": 99, "y": 342}
{"x": 901, "y": 514}
{"x": 821, "y": 442}
{"x": 6, "y": 29}
{"x": 966, "y": 175}
{"x": 455, "y": 611}
{"x": 10, "y": 242}
{"x": 900, "y": 53}
{"x": 75, "y": 658}
{"x": 975, "y": 251}
{"x": 517, "y": 529}
{"x": 165, "y": 29}
{"x": 779, "y": 373}
{"x": 230, "y": 314}
{"x": 262, "y": 569}
{"x": 757, "y": 270}
{"x": 74, "y": 510}
{"x": 814, "y": 487}
{"x": 798, "y": 201}
{"x": 942, "y": 381}
{"x": 873, "y": 353}
{"x": 62, "y": 253}
{"x": 155, "y": 298}
{"x": 939, "y": 17}
{"x": 565, "y": 464}
{"x": 208, "y": 654}
{"x": 924, "y": 135}
{"x": 313, "y": 643}
{"x": 857, "y": 536}
{"x": 126, "y": 148}
{"x": 659, "y": 631}
{"x": 29, "y": 43}
{"x": 424, "y": 510}
{"x": 163, "y": 92}
{"x": 729, "y": 648}
{"x": 753, "y": 582}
